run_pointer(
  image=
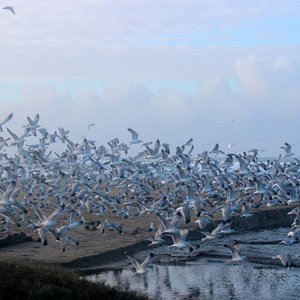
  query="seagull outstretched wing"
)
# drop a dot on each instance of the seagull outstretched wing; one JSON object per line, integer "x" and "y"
{"x": 10, "y": 8}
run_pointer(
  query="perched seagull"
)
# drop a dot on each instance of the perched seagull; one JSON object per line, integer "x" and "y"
{"x": 235, "y": 249}
{"x": 10, "y": 8}
{"x": 5, "y": 121}
{"x": 141, "y": 267}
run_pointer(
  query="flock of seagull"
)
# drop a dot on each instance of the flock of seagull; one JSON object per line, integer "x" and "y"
{"x": 53, "y": 193}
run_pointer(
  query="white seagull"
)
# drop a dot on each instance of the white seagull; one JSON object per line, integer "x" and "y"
{"x": 179, "y": 238}
{"x": 286, "y": 259}
{"x": 135, "y": 136}
{"x": 157, "y": 240}
{"x": 235, "y": 249}
{"x": 91, "y": 125}
{"x": 141, "y": 267}
{"x": 10, "y": 8}
{"x": 288, "y": 150}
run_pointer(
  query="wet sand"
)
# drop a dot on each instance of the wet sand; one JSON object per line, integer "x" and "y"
{"x": 98, "y": 251}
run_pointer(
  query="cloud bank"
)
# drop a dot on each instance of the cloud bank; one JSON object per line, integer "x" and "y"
{"x": 260, "y": 111}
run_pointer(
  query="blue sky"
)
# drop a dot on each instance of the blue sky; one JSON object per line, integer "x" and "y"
{"x": 170, "y": 69}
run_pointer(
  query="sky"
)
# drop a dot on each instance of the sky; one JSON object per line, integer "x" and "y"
{"x": 217, "y": 71}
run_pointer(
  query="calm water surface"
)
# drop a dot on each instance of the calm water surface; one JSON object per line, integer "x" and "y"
{"x": 204, "y": 279}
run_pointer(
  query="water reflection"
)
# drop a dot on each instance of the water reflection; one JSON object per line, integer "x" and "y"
{"x": 203, "y": 280}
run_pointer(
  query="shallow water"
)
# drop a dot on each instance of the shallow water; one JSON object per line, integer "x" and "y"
{"x": 208, "y": 279}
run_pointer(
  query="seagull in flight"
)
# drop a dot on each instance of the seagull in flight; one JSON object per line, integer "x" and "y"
{"x": 141, "y": 267}
{"x": 235, "y": 249}
{"x": 135, "y": 136}
{"x": 91, "y": 125}
{"x": 286, "y": 259}
{"x": 10, "y": 8}
{"x": 288, "y": 150}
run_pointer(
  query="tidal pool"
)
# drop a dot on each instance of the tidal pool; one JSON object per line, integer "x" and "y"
{"x": 208, "y": 279}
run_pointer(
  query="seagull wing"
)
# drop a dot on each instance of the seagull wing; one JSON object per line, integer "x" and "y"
{"x": 31, "y": 122}
{"x": 216, "y": 148}
{"x": 288, "y": 148}
{"x": 176, "y": 219}
{"x": 39, "y": 213}
{"x": 36, "y": 118}
{"x": 15, "y": 137}
{"x": 135, "y": 135}
{"x": 135, "y": 263}
{"x": 56, "y": 213}
{"x": 147, "y": 261}
{"x": 8, "y": 118}
{"x": 90, "y": 125}
{"x": 235, "y": 250}
{"x": 159, "y": 231}
{"x": 11, "y": 9}
{"x": 163, "y": 221}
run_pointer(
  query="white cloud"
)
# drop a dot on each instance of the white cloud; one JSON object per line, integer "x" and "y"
{"x": 214, "y": 113}
{"x": 250, "y": 74}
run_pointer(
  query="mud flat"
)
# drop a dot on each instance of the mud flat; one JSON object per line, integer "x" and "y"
{"x": 259, "y": 234}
